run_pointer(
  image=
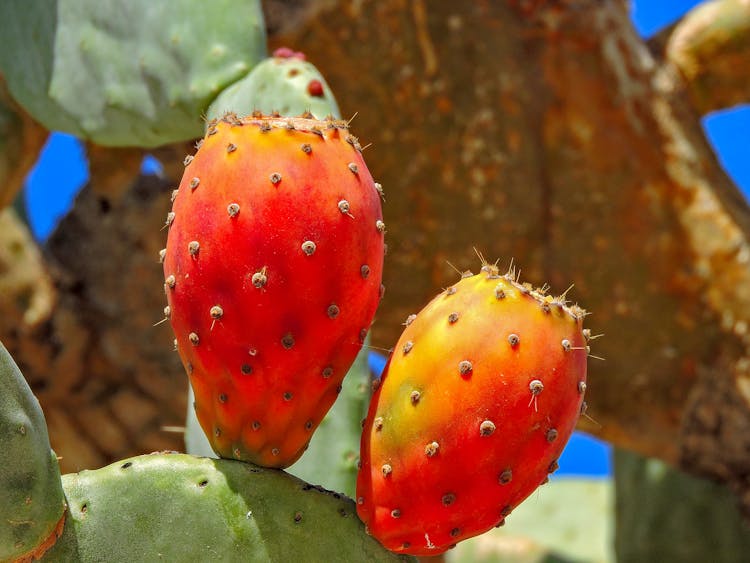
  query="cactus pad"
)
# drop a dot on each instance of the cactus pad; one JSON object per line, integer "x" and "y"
{"x": 127, "y": 72}
{"x": 331, "y": 459}
{"x": 285, "y": 84}
{"x": 31, "y": 496}
{"x": 177, "y": 507}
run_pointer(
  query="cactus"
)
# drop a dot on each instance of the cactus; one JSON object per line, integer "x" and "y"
{"x": 31, "y": 496}
{"x": 272, "y": 273}
{"x": 196, "y": 442}
{"x": 127, "y": 72}
{"x": 475, "y": 406}
{"x": 285, "y": 83}
{"x": 568, "y": 520}
{"x": 183, "y": 508}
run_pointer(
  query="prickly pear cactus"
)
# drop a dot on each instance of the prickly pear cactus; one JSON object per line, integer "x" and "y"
{"x": 126, "y": 72}
{"x": 178, "y": 507}
{"x": 166, "y": 506}
{"x": 196, "y": 442}
{"x": 569, "y": 520}
{"x": 31, "y": 497}
{"x": 285, "y": 83}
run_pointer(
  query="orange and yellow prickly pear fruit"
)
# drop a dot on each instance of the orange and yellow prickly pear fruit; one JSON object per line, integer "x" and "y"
{"x": 477, "y": 401}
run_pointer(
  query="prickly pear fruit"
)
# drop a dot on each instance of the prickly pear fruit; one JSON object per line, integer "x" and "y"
{"x": 272, "y": 272}
{"x": 32, "y": 507}
{"x": 475, "y": 406}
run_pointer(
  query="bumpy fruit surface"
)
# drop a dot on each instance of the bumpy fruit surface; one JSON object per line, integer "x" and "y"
{"x": 475, "y": 406}
{"x": 272, "y": 272}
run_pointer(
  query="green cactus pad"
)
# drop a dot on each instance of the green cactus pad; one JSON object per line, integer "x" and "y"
{"x": 196, "y": 442}
{"x": 176, "y": 507}
{"x": 279, "y": 84}
{"x": 31, "y": 495}
{"x": 127, "y": 72}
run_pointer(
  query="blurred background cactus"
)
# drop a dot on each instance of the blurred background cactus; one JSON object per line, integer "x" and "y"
{"x": 556, "y": 133}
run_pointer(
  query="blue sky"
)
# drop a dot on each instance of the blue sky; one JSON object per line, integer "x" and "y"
{"x": 62, "y": 171}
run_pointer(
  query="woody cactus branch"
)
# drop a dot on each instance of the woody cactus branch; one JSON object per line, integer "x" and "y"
{"x": 711, "y": 48}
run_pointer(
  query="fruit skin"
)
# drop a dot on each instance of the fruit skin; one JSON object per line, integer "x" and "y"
{"x": 331, "y": 459}
{"x": 32, "y": 508}
{"x": 455, "y": 436}
{"x": 273, "y": 268}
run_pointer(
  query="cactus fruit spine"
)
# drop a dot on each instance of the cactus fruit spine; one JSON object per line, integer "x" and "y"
{"x": 127, "y": 72}
{"x": 285, "y": 83}
{"x": 272, "y": 273}
{"x": 31, "y": 496}
{"x": 476, "y": 404}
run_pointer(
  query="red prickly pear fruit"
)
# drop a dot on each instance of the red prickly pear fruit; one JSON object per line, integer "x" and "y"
{"x": 476, "y": 403}
{"x": 273, "y": 268}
